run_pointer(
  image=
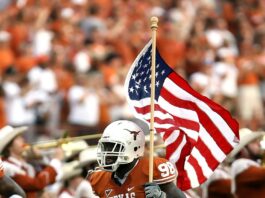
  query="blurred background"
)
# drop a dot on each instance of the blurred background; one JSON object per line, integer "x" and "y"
{"x": 63, "y": 62}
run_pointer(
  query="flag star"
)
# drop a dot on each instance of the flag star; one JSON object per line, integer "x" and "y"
{"x": 149, "y": 58}
{"x": 157, "y": 66}
{"x": 134, "y": 76}
{"x": 137, "y": 86}
{"x": 150, "y": 76}
{"x": 156, "y": 74}
{"x": 163, "y": 72}
{"x": 145, "y": 65}
{"x": 137, "y": 74}
{"x": 157, "y": 83}
{"x": 147, "y": 71}
{"x": 145, "y": 89}
{"x": 131, "y": 89}
{"x": 145, "y": 79}
{"x": 142, "y": 73}
{"x": 138, "y": 67}
{"x": 138, "y": 82}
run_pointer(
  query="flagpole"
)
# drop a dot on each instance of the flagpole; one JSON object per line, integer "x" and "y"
{"x": 154, "y": 22}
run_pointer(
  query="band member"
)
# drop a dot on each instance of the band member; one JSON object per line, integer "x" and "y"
{"x": 248, "y": 176}
{"x": 31, "y": 181}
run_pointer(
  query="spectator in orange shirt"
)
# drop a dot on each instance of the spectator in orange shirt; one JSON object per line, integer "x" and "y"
{"x": 6, "y": 55}
{"x": 19, "y": 32}
{"x": 110, "y": 67}
{"x": 25, "y": 61}
{"x": 171, "y": 49}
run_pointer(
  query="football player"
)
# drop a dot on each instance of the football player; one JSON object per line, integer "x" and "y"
{"x": 124, "y": 172}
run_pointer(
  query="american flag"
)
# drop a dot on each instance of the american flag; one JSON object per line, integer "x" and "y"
{"x": 198, "y": 133}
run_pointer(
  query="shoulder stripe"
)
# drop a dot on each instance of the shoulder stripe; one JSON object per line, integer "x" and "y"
{"x": 166, "y": 178}
{"x": 166, "y": 181}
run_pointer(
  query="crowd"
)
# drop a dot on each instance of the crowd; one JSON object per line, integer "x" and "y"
{"x": 63, "y": 62}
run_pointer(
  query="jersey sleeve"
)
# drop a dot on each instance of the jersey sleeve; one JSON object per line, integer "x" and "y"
{"x": 164, "y": 171}
{"x": 94, "y": 177}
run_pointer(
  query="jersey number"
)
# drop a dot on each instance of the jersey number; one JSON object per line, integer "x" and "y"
{"x": 166, "y": 169}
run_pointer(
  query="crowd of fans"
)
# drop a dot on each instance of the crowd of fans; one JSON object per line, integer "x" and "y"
{"x": 63, "y": 62}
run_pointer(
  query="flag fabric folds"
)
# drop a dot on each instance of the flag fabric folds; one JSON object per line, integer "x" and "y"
{"x": 198, "y": 133}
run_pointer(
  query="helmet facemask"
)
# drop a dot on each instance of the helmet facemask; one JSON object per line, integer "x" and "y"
{"x": 110, "y": 154}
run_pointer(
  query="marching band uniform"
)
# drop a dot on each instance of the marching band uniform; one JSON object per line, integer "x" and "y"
{"x": 29, "y": 180}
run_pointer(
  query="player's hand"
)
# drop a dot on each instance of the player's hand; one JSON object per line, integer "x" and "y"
{"x": 153, "y": 190}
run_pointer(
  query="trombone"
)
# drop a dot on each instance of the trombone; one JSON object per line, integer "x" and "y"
{"x": 66, "y": 143}
{"x": 47, "y": 144}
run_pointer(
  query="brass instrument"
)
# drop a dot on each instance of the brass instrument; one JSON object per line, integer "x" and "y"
{"x": 70, "y": 145}
{"x": 58, "y": 142}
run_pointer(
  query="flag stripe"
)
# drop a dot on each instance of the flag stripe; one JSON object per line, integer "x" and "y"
{"x": 204, "y": 119}
{"x": 194, "y": 163}
{"x": 161, "y": 113}
{"x": 216, "y": 121}
{"x": 233, "y": 126}
{"x": 207, "y": 171}
{"x": 172, "y": 145}
{"x": 207, "y": 155}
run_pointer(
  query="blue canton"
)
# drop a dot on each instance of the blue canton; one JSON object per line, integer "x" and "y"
{"x": 140, "y": 81}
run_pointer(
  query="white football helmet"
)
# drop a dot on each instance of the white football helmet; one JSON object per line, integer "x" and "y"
{"x": 121, "y": 142}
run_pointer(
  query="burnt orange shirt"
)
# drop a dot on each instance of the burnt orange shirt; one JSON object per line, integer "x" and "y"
{"x": 7, "y": 58}
{"x": 104, "y": 186}
{"x": 25, "y": 63}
